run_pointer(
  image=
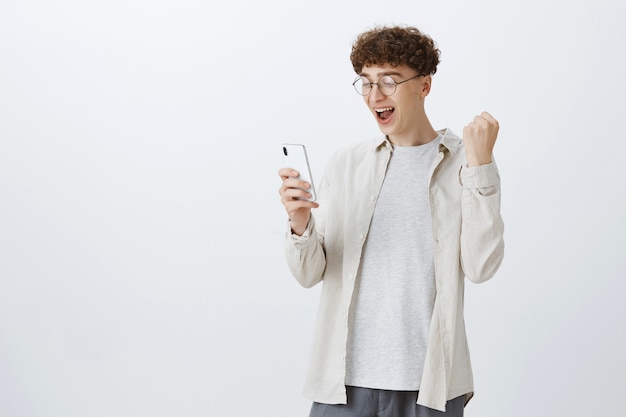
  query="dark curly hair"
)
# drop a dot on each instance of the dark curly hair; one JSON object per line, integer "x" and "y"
{"x": 395, "y": 45}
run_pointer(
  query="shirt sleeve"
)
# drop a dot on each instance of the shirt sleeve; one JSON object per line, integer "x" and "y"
{"x": 305, "y": 255}
{"x": 482, "y": 227}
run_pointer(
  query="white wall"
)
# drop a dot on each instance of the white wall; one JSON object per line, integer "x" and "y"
{"x": 141, "y": 259}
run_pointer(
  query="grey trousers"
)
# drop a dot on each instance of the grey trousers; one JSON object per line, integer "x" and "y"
{"x": 367, "y": 402}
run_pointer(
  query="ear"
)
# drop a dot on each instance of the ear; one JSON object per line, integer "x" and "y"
{"x": 426, "y": 84}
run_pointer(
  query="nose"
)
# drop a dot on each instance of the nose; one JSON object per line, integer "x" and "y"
{"x": 376, "y": 93}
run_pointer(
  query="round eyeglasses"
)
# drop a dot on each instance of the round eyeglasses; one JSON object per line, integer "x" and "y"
{"x": 386, "y": 84}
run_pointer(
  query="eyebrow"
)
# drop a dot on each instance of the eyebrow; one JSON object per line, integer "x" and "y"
{"x": 381, "y": 74}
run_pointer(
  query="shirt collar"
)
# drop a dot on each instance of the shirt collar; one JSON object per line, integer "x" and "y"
{"x": 450, "y": 142}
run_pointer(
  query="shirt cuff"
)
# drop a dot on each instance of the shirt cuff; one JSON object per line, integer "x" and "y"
{"x": 304, "y": 238}
{"x": 480, "y": 176}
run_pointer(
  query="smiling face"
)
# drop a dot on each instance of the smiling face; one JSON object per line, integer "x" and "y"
{"x": 400, "y": 115}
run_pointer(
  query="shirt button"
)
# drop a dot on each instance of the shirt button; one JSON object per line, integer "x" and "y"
{"x": 360, "y": 235}
{"x": 372, "y": 198}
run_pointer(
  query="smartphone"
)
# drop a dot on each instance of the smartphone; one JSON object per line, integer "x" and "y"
{"x": 296, "y": 158}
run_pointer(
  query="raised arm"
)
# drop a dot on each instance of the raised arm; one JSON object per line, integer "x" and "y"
{"x": 482, "y": 242}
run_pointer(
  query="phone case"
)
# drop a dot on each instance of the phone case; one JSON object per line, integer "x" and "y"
{"x": 296, "y": 158}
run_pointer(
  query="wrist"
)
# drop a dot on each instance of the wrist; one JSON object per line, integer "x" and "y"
{"x": 474, "y": 162}
{"x": 297, "y": 228}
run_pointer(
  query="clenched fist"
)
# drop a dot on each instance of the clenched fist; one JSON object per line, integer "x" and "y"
{"x": 479, "y": 137}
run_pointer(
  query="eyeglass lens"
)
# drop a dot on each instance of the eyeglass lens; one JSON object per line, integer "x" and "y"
{"x": 386, "y": 85}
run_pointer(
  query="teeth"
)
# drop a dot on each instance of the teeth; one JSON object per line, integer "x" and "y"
{"x": 380, "y": 110}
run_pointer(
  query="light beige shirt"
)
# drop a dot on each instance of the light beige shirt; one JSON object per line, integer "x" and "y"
{"x": 468, "y": 242}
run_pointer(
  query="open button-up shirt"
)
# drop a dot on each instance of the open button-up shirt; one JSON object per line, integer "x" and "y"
{"x": 468, "y": 242}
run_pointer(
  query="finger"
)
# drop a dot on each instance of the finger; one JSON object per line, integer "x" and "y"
{"x": 295, "y": 183}
{"x": 289, "y": 194}
{"x": 287, "y": 172}
{"x": 296, "y": 208}
{"x": 489, "y": 118}
{"x": 480, "y": 120}
{"x": 474, "y": 126}
{"x": 294, "y": 205}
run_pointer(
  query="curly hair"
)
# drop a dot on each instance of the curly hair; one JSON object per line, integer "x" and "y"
{"x": 395, "y": 45}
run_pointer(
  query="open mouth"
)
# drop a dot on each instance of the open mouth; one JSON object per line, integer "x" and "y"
{"x": 384, "y": 113}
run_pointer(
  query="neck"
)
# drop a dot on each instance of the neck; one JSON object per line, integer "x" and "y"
{"x": 421, "y": 133}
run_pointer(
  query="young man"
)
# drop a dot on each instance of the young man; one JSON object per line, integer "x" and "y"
{"x": 401, "y": 221}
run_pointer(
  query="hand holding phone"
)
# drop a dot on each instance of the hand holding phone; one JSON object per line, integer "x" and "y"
{"x": 298, "y": 207}
{"x": 296, "y": 158}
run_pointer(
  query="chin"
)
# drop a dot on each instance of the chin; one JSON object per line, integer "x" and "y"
{"x": 386, "y": 130}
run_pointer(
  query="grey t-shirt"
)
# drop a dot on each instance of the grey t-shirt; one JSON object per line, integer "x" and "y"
{"x": 395, "y": 291}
